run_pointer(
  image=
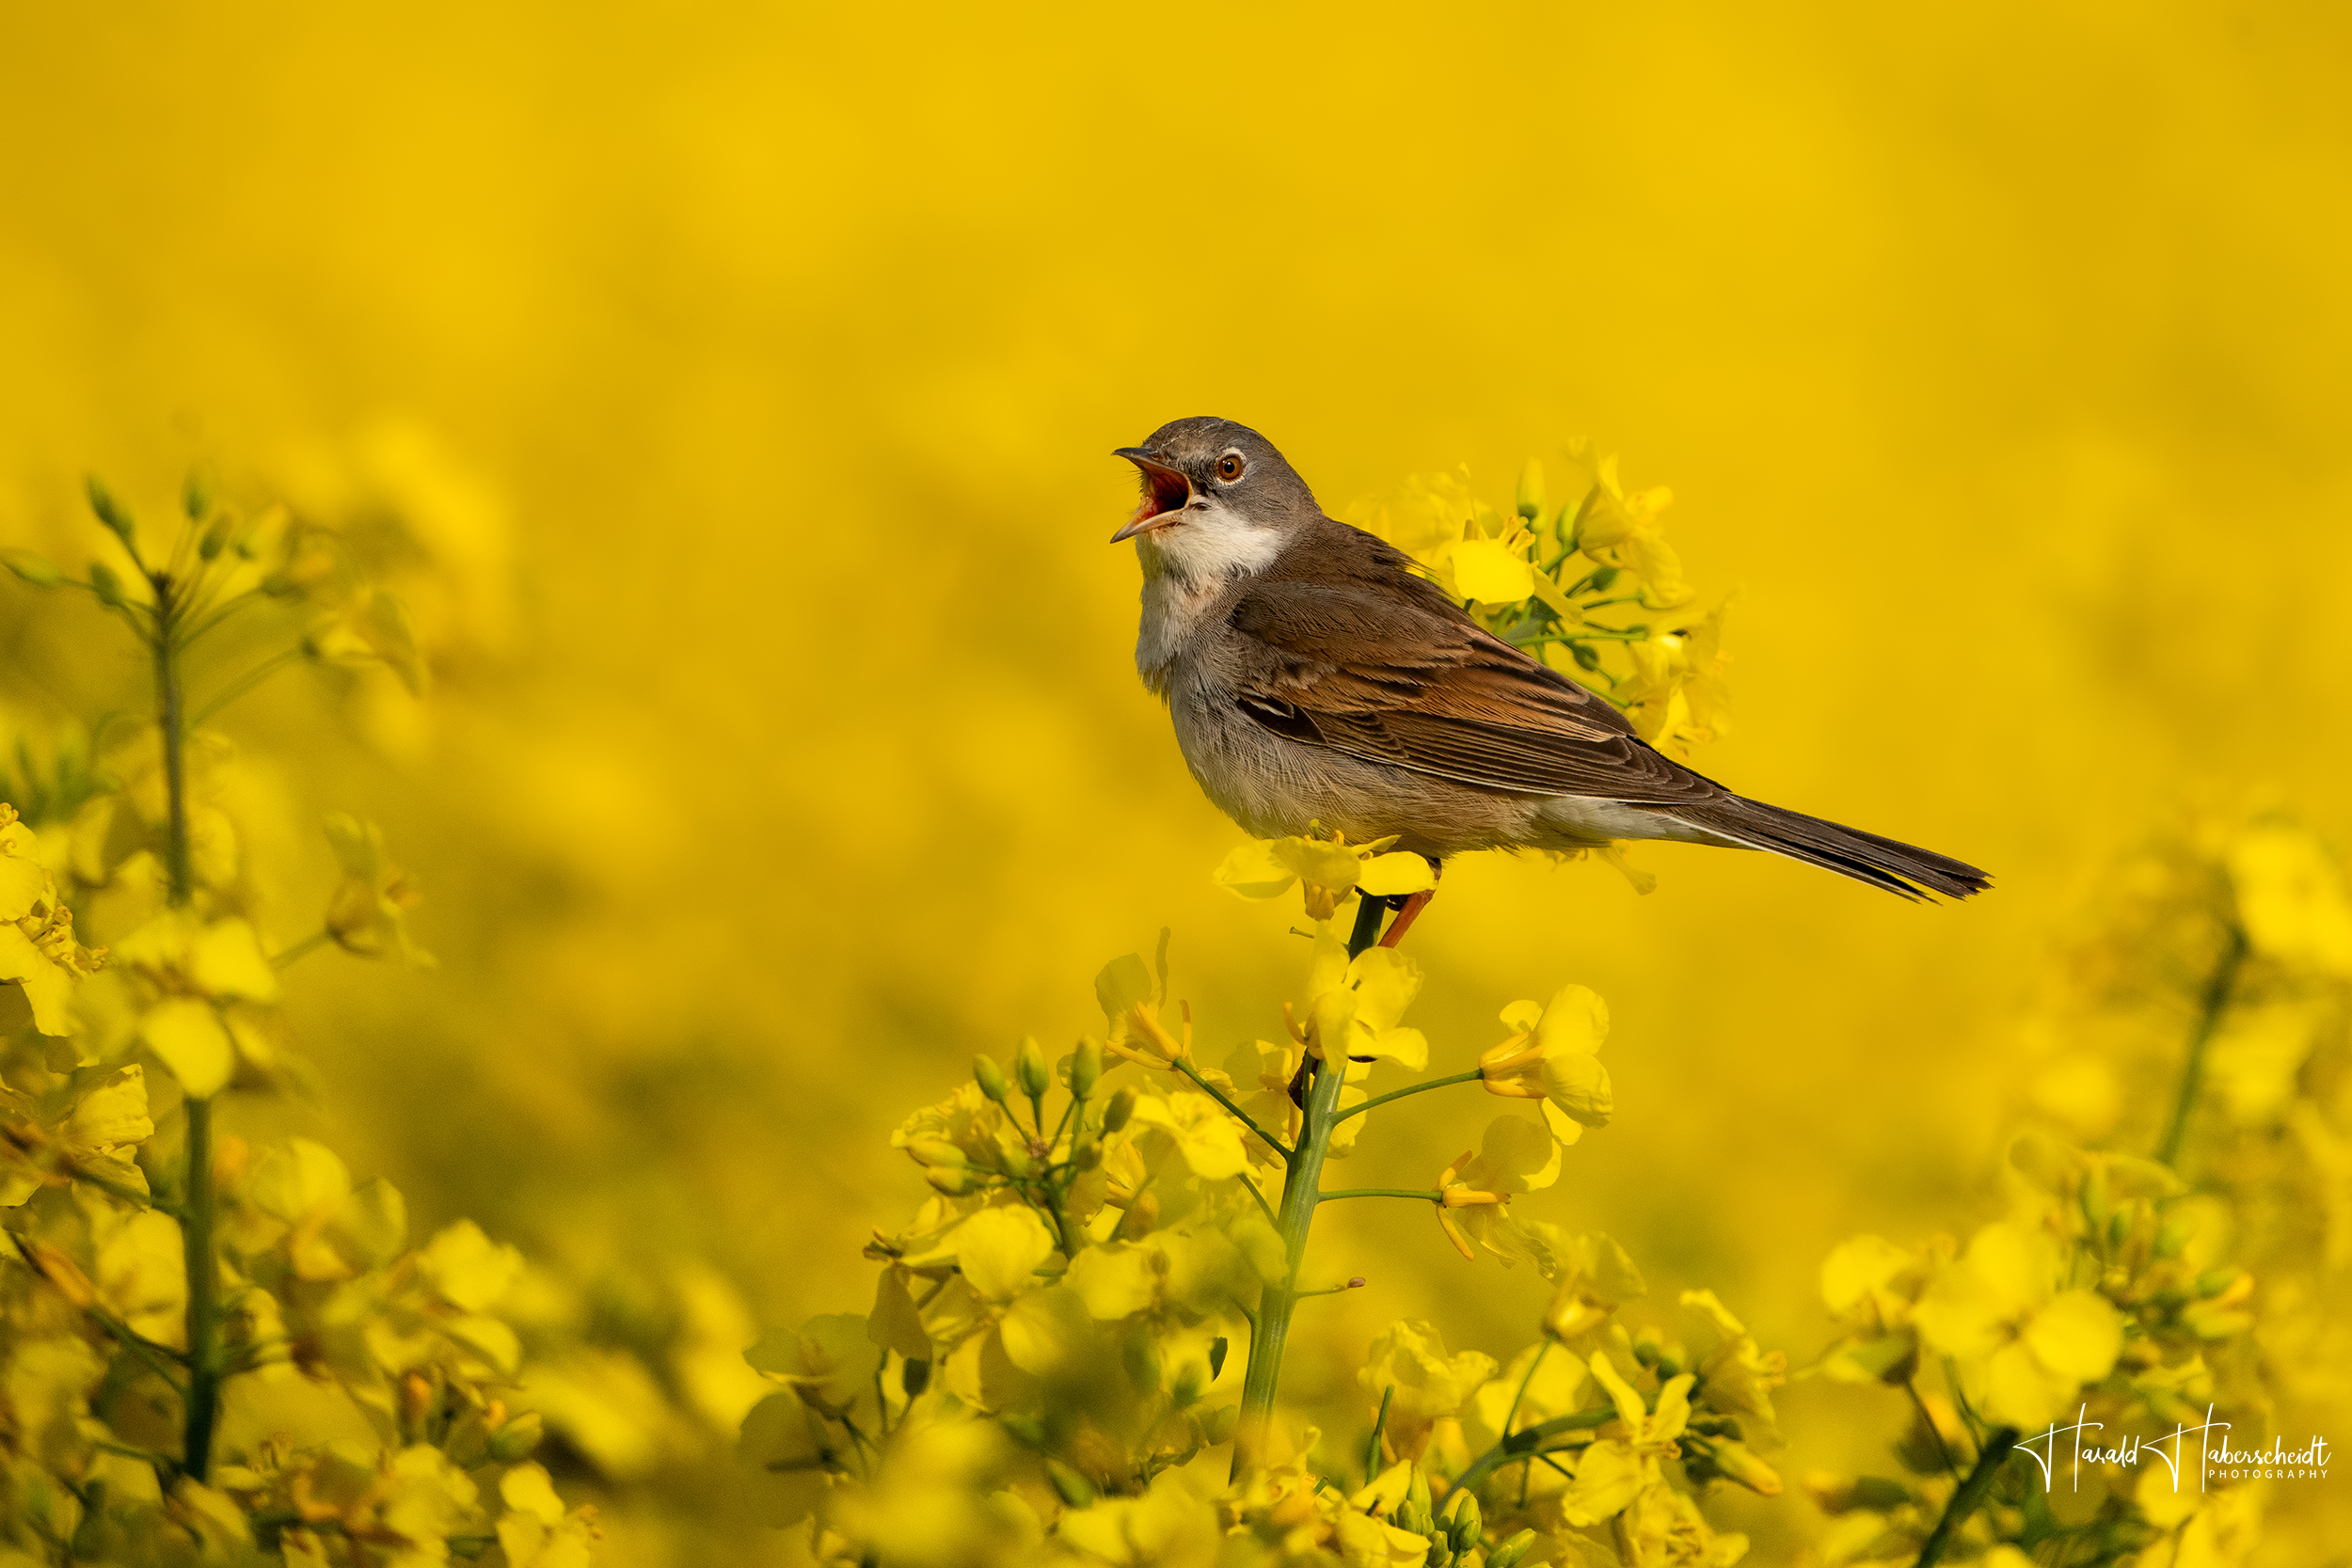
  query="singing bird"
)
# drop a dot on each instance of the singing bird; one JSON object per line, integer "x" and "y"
{"x": 1315, "y": 677}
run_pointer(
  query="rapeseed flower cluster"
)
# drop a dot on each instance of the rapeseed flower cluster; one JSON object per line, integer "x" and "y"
{"x": 217, "y": 1350}
{"x": 2144, "y": 1310}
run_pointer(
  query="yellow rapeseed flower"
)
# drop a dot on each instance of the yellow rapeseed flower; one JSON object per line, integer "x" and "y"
{"x": 1555, "y": 1057}
{"x": 2025, "y": 1346}
{"x": 39, "y": 956}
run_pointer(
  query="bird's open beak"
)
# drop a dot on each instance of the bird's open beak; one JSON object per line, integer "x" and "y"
{"x": 1166, "y": 491}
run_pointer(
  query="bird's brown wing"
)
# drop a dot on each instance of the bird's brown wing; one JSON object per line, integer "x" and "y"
{"x": 1382, "y": 666}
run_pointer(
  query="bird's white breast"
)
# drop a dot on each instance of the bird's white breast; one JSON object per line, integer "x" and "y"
{"x": 1188, "y": 567}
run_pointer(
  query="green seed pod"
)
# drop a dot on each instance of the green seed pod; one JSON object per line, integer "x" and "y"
{"x": 1074, "y": 1488}
{"x": 990, "y": 1077}
{"x": 1511, "y": 1552}
{"x": 109, "y": 586}
{"x": 39, "y": 570}
{"x": 1122, "y": 1106}
{"x": 1030, "y": 1070}
{"x": 1532, "y": 490}
{"x": 110, "y": 512}
{"x": 1085, "y": 1067}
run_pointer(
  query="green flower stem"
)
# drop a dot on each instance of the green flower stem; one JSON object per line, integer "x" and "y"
{"x": 2212, "y": 1005}
{"x": 1528, "y": 1442}
{"x": 297, "y": 952}
{"x": 201, "y": 1409}
{"x": 1428, "y": 1194}
{"x": 1301, "y": 1191}
{"x": 157, "y": 1356}
{"x": 1472, "y": 1076}
{"x": 247, "y": 681}
{"x": 1234, "y": 1111}
{"x": 1968, "y": 1495}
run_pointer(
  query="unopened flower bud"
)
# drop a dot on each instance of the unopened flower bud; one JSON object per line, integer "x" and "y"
{"x": 1141, "y": 1357}
{"x": 1030, "y": 1070}
{"x": 2213, "y": 1282}
{"x": 1086, "y": 1150}
{"x": 1413, "y": 1513}
{"x": 1142, "y": 1218}
{"x": 1190, "y": 1385}
{"x": 990, "y": 1077}
{"x": 1217, "y": 1426}
{"x": 1085, "y": 1067}
{"x": 108, "y": 585}
{"x": 1028, "y": 1430}
{"x": 914, "y": 1376}
{"x": 1511, "y": 1552}
{"x": 39, "y": 570}
{"x": 216, "y": 537}
{"x": 937, "y": 1151}
{"x": 954, "y": 1182}
{"x": 513, "y": 1442}
{"x": 110, "y": 512}
{"x": 1532, "y": 490}
{"x": 1074, "y": 1488}
{"x": 196, "y": 497}
{"x": 1122, "y": 1106}
{"x": 1738, "y": 1463}
{"x": 1467, "y": 1525}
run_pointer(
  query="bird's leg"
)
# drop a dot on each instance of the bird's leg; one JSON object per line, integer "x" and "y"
{"x": 1410, "y": 911}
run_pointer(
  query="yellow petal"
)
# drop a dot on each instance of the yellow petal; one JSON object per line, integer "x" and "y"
{"x": 999, "y": 1250}
{"x": 1116, "y": 1280}
{"x": 1254, "y": 871}
{"x": 193, "y": 1043}
{"x": 1854, "y": 1269}
{"x": 1576, "y": 1019}
{"x": 1397, "y": 873}
{"x": 2077, "y": 1335}
{"x": 226, "y": 959}
{"x": 1487, "y": 571}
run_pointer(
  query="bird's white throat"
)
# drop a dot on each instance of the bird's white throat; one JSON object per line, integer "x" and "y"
{"x": 1188, "y": 566}
{"x": 1210, "y": 544}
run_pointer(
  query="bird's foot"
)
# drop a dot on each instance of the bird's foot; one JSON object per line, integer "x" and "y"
{"x": 1410, "y": 913}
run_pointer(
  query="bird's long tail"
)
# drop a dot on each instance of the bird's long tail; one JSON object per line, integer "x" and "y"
{"x": 1903, "y": 869}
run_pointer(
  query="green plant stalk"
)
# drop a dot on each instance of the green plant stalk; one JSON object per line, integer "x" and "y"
{"x": 1528, "y": 1442}
{"x": 1301, "y": 1192}
{"x": 1968, "y": 1495}
{"x": 2212, "y": 1005}
{"x": 201, "y": 1410}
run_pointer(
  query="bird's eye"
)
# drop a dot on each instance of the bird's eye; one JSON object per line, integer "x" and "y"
{"x": 1229, "y": 468}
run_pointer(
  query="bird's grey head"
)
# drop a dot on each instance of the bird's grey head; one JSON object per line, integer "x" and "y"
{"x": 1218, "y": 501}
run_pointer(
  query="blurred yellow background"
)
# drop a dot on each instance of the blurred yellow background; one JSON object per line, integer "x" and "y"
{"x": 753, "y": 372}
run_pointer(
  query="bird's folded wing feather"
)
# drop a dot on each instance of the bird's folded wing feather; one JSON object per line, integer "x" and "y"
{"x": 1407, "y": 680}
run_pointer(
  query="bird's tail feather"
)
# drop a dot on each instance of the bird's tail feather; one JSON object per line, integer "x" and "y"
{"x": 1903, "y": 869}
